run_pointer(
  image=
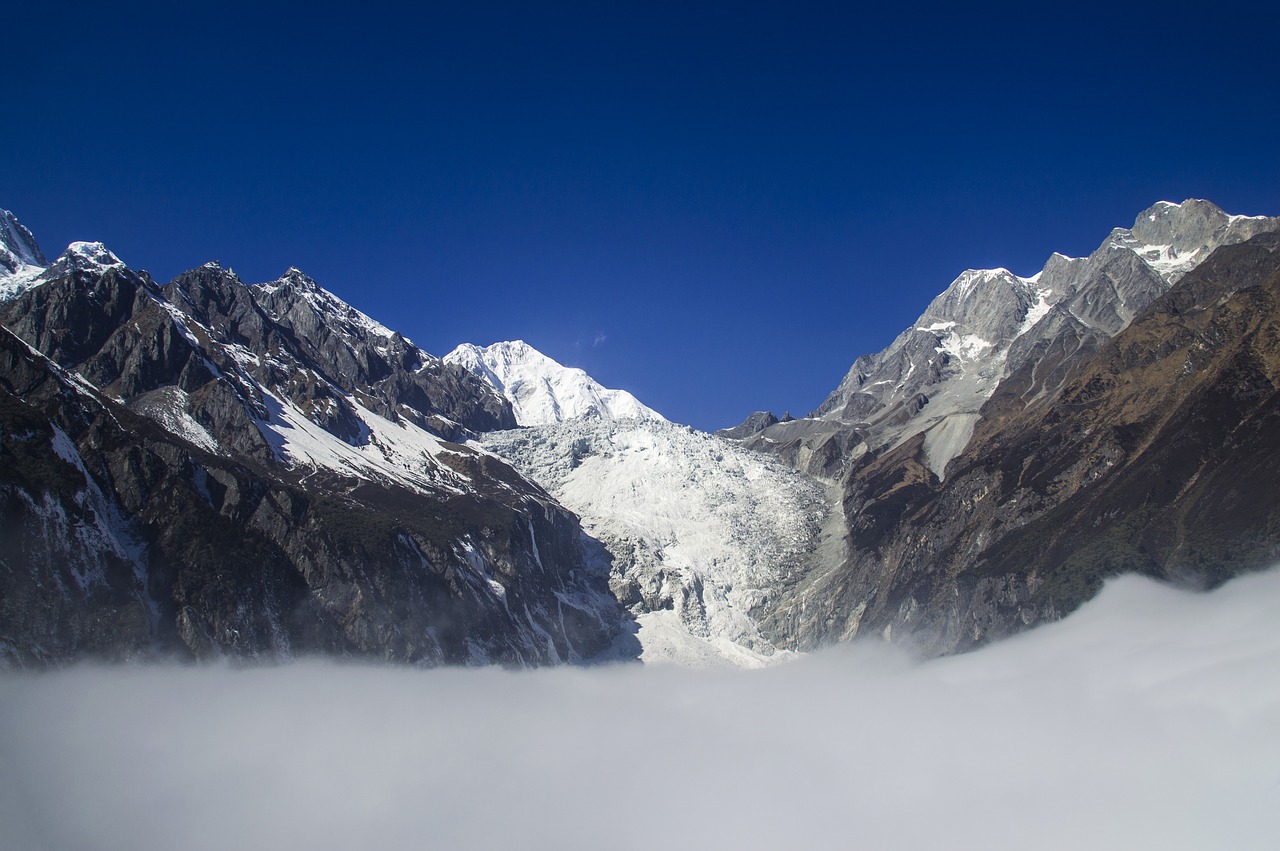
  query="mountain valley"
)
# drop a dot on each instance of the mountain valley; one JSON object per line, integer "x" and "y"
{"x": 210, "y": 468}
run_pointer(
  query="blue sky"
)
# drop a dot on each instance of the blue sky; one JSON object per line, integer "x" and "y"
{"x": 715, "y": 206}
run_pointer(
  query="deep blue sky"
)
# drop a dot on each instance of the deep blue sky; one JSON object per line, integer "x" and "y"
{"x": 717, "y": 207}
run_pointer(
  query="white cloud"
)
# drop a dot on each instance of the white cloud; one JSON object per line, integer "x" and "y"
{"x": 1149, "y": 719}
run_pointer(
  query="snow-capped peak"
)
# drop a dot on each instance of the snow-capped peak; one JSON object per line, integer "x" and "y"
{"x": 18, "y": 247}
{"x": 542, "y": 391}
{"x": 88, "y": 256}
{"x": 23, "y": 266}
{"x": 21, "y": 260}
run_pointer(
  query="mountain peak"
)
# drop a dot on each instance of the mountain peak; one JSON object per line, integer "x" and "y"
{"x": 92, "y": 252}
{"x": 18, "y": 248}
{"x": 989, "y": 323}
{"x": 543, "y": 391}
{"x": 298, "y": 279}
{"x": 91, "y": 257}
{"x": 21, "y": 260}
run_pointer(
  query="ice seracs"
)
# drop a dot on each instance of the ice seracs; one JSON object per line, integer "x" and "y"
{"x": 701, "y": 534}
{"x": 542, "y": 391}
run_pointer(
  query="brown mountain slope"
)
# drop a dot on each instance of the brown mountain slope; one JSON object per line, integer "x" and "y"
{"x": 1160, "y": 455}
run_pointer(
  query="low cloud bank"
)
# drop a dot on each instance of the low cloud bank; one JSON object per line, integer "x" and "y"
{"x": 1148, "y": 719}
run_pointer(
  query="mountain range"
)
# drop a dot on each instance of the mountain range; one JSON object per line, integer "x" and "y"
{"x": 212, "y": 468}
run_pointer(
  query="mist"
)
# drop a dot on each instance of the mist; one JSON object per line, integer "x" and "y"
{"x": 1150, "y": 718}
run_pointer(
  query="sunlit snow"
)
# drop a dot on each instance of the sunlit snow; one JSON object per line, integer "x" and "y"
{"x": 706, "y": 531}
{"x": 399, "y": 452}
{"x": 542, "y": 391}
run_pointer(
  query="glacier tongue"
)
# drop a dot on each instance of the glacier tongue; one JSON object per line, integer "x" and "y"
{"x": 703, "y": 535}
{"x": 542, "y": 391}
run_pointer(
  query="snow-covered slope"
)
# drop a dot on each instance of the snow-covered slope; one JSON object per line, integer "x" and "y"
{"x": 543, "y": 391}
{"x": 703, "y": 535}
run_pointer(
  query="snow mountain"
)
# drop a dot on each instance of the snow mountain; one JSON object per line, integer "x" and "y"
{"x": 542, "y": 391}
{"x": 210, "y": 468}
{"x": 20, "y": 256}
{"x": 990, "y": 324}
{"x": 1155, "y": 453}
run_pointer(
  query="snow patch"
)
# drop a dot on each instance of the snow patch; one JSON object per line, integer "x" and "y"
{"x": 170, "y": 407}
{"x": 964, "y": 347}
{"x": 396, "y": 452}
{"x": 1035, "y": 312}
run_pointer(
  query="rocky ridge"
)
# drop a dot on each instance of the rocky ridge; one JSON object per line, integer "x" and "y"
{"x": 989, "y": 325}
{"x": 1153, "y": 451}
{"x": 209, "y": 468}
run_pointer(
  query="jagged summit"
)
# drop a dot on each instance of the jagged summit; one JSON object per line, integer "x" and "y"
{"x": 18, "y": 247}
{"x": 1174, "y": 238}
{"x": 542, "y": 391}
{"x": 21, "y": 260}
{"x": 989, "y": 324}
{"x": 296, "y": 298}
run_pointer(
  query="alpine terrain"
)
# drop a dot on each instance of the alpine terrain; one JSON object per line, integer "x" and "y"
{"x": 990, "y": 324}
{"x": 212, "y": 468}
{"x": 701, "y": 537}
{"x": 1028, "y": 437}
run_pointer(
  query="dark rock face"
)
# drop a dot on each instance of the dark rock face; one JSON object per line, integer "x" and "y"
{"x": 1157, "y": 453}
{"x": 310, "y": 329}
{"x": 152, "y": 502}
{"x": 754, "y": 423}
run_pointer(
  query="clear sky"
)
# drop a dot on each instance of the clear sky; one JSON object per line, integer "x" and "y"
{"x": 716, "y": 206}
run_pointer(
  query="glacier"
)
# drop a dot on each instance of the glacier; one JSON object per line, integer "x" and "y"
{"x": 702, "y": 535}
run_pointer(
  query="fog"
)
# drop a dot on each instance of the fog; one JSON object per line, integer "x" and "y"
{"x": 1148, "y": 719}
